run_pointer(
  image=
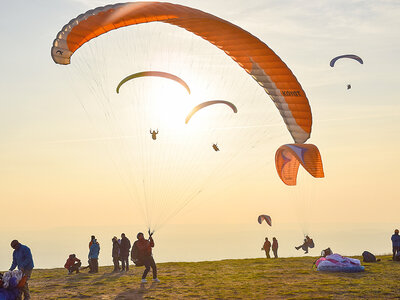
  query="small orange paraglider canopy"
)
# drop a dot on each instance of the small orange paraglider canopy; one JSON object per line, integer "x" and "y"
{"x": 289, "y": 157}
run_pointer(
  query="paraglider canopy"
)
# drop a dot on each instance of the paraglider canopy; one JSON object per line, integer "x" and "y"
{"x": 249, "y": 52}
{"x": 208, "y": 103}
{"x": 289, "y": 157}
{"x": 351, "y": 56}
{"x": 155, "y": 74}
{"x": 265, "y": 218}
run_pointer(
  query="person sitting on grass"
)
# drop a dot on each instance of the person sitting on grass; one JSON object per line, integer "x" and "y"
{"x": 308, "y": 243}
{"x": 73, "y": 264}
{"x": 142, "y": 255}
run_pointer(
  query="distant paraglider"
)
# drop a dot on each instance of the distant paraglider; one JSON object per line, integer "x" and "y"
{"x": 154, "y": 134}
{"x": 154, "y": 74}
{"x": 208, "y": 103}
{"x": 351, "y": 56}
{"x": 308, "y": 243}
{"x": 265, "y": 218}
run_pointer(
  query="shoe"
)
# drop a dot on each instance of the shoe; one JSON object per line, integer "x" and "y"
{"x": 144, "y": 280}
{"x": 156, "y": 280}
{"x": 306, "y": 252}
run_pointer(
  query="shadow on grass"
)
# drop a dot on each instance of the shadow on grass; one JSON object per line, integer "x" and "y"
{"x": 138, "y": 293}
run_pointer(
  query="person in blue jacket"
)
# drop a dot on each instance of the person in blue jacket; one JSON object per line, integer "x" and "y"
{"x": 94, "y": 257}
{"x": 396, "y": 243}
{"x": 22, "y": 258}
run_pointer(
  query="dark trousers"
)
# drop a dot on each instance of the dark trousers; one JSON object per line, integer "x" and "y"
{"x": 94, "y": 265}
{"x": 395, "y": 250}
{"x": 275, "y": 252}
{"x": 148, "y": 262}
{"x": 267, "y": 253}
{"x": 74, "y": 267}
{"x": 125, "y": 263}
{"x": 116, "y": 264}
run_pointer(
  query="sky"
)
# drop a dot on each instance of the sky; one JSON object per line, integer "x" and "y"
{"x": 73, "y": 161}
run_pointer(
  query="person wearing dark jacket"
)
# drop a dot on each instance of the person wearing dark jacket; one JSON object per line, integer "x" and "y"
{"x": 266, "y": 247}
{"x": 395, "y": 243}
{"x": 22, "y": 258}
{"x": 142, "y": 255}
{"x": 124, "y": 252}
{"x": 94, "y": 257}
{"x": 73, "y": 264}
{"x": 115, "y": 254}
{"x": 275, "y": 247}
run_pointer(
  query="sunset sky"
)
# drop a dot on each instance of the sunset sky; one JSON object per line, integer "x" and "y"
{"x": 67, "y": 172}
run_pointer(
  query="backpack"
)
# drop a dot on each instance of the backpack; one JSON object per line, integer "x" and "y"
{"x": 368, "y": 257}
{"x": 135, "y": 256}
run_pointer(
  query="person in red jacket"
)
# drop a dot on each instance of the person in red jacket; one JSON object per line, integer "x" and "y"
{"x": 142, "y": 255}
{"x": 73, "y": 263}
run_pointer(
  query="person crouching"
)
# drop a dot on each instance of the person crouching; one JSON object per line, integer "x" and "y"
{"x": 73, "y": 264}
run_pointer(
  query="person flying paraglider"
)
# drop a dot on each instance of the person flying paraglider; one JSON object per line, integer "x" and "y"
{"x": 215, "y": 147}
{"x": 349, "y": 86}
{"x": 308, "y": 243}
{"x": 154, "y": 134}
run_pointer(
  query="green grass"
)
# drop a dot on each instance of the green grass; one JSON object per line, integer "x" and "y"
{"x": 283, "y": 278}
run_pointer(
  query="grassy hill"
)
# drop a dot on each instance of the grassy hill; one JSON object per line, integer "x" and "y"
{"x": 282, "y": 278}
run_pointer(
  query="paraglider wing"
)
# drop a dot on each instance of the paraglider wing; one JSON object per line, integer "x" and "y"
{"x": 156, "y": 74}
{"x": 289, "y": 157}
{"x": 208, "y": 103}
{"x": 351, "y": 56}
{"x": 265, "y": 218}
{"x": 255, "y": 57}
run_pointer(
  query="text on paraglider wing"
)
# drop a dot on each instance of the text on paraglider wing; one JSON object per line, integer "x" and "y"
{"x": 291, "y": 93}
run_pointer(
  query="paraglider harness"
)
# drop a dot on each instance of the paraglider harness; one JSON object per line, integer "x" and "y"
{"x": 369, "y": 257}
{"x": 135, "y": 253}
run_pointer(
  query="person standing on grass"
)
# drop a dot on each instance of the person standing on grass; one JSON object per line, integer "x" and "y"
{"x": 94, "y": 257}
{"x": 115, "y": 254}
{"x": 22, "y": 258}
{"x": 275, "y": 247}
{"x": 267, "y": 247}
{"x": 395, "y": 243}
{"x": 142, "y": 255}
{"x": 124, "y": 252}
